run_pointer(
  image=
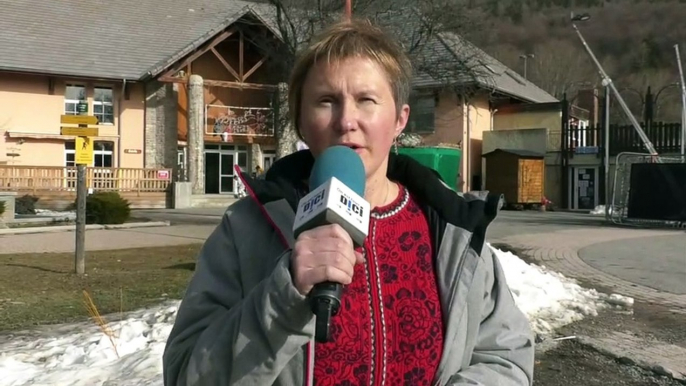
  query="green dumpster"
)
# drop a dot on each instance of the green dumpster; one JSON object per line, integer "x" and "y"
{"x": 444, "y": 160}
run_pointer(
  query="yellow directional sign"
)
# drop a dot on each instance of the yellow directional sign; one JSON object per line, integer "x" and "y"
{"x": 79, "y": 120}
{"x": 84, "y": 151}
{"x": 79, "y": 131}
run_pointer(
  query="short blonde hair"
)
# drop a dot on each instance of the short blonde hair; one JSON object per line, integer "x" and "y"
{"x": 349, "y": 39}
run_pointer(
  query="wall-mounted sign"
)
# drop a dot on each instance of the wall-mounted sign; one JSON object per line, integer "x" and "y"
{"x": 244, "y": 121}
{"x": 133, "y": 151}
{"x": 163, "y": 174}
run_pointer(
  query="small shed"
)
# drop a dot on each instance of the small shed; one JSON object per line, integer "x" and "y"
{"x": 519, "y": 175}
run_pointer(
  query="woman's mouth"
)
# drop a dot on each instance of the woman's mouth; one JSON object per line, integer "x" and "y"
{"x": 357, "y": 148}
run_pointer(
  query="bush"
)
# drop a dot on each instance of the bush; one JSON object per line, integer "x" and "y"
{"x": 25, "y": 204}
{"x": 107, "y": 208}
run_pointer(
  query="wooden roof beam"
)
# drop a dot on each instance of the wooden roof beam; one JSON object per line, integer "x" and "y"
{"x": 198, "y": 53}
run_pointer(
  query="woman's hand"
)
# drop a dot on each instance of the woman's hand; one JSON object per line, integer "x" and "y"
{"x": 322, "y": 254}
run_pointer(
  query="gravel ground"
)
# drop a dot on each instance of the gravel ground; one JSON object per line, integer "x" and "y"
{"x": 571, "y": 363}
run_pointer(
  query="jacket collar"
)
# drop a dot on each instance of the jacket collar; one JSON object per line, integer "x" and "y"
{"x": 287, "y": 179}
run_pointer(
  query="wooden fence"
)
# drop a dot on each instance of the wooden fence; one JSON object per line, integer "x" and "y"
{"x": 56, "y": 186}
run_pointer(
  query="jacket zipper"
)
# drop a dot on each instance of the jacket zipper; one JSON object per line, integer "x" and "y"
{"x": 378, "y": 365}
{"x": 460, "y": 267}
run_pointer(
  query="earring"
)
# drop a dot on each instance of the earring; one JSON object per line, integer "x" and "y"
{"x": 395, "y": 145}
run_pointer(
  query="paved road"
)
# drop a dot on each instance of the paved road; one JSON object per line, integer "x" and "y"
{"x": 182, "y": 216}
{"x": 106, "y": 239}
{"x": 513, "y": 223}
{"x": 657, "y": 262}
{"x": 575, "y": 244}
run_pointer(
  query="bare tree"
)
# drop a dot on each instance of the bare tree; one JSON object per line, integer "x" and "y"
{"x": 428, "y": 30}
{"x": 561, "y": 67}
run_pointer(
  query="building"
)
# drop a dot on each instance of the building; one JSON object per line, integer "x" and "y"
{"x": 450, "y": 108}
{"x": 129, "y": 62}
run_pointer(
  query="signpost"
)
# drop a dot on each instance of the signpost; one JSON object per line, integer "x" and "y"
{"x": 84, "y": 156}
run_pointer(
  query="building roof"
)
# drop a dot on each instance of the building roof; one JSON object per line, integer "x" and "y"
{"x": 518, "y": 152}
{"x": 122, "y": 39}
{"x": 488, "y": 72}
{"x": 134, "y": 40}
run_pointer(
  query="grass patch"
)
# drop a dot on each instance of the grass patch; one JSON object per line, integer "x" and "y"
{"x": 41, "y": 288}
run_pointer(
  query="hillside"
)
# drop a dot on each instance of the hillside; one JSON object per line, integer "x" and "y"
{"x": 633, "y": 39}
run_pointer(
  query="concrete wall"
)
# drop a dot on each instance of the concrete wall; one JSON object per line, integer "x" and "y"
{"x": 550, "y": 120}
{"x": 527, "y": 139}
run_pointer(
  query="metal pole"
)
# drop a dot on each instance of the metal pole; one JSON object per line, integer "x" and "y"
{"x": 348, "y": 9}
{"x": 607, "y": 82}
{"x": 683, "y": 101}
{"x": 607, "y": 153}
{"x": 81, "y": 193}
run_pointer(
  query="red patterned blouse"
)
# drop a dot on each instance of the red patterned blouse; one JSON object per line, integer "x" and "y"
{"x": 389, "y": 330}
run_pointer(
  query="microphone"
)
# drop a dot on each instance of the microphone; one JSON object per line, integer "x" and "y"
{"x": 337, "y": 181}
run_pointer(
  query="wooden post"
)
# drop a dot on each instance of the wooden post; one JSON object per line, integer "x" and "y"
{"x": 81, "y": 193}
{"x": 84, "y": 134}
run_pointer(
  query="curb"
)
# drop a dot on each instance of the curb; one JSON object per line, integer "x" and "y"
{"x": 633, "y": 358}
{"x": 72, "y": 228}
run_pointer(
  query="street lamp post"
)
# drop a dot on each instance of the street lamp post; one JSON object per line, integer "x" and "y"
{"x": 526, "y": 57}
{"x": 348, "y": 9}
{"x": 607, "y": 82}
{"x": 683, "y": 101}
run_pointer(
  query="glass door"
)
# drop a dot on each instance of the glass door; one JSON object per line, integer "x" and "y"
{"x": 211, "y": 172}
{"x": 242, "y": 162}
{"x": 585, "y": 182}
{"x": 227, "y": 160}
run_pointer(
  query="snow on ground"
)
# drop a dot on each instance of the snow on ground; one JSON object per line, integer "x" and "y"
{"x": 81, "y": 354}
{"x": 549, "y": 299}
{"x": 599, "y": 210}
{"x": 63, "y": 215}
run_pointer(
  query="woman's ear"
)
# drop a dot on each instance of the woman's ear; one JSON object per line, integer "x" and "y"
{"x": 403, "y": 117}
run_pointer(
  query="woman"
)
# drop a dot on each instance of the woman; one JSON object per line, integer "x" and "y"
{"x": 424, "y": 302}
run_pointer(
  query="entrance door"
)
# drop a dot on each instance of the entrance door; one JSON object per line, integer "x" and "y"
{"x": 268, "y": 158}
{"x": 585, "y": 185}
{"x": 226, "y": 172}
{"x": 219, "y": 171}
{"x": 211, "y": 173}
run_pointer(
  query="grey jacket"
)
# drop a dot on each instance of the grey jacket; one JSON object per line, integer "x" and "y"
{"x": 242, "y": 322}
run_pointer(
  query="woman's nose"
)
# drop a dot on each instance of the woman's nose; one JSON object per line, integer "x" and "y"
{"x": 347, "y": 117}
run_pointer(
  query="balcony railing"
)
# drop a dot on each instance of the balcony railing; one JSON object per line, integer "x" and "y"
{"x": 666, "y": 138}
{"x": 50, "y": 178}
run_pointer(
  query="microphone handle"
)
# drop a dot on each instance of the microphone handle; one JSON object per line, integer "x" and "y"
{"x": 325, "y": 300}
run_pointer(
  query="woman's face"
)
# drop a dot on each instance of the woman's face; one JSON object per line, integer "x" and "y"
{"x": 351, "y": 103}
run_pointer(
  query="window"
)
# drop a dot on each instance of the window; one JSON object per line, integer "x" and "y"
{"x": 102, "y": 154}
{"x": 102, "y": 105}
{"x": 422, "y": 113}
{"x": 70, "y": 161}
{"x": 75, "y": 102}
{"x": 69, "y": 154}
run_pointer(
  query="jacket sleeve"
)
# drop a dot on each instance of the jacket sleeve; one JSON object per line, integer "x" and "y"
{"x": 223, "y": 336}
{"x": 504, "y": 351}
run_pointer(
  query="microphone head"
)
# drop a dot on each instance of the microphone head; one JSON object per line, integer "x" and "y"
{"x": 343, "y": 163}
